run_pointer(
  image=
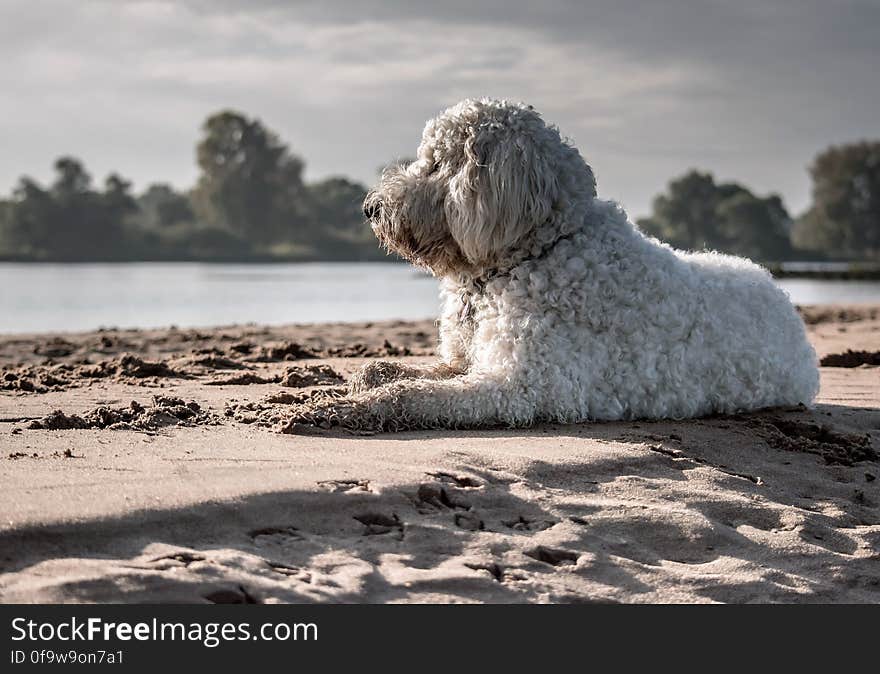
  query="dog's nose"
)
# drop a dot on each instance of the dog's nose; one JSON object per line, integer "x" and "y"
{"x": 372, "y": 209}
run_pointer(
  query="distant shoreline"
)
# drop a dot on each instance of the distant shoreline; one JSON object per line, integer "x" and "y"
{"x": 856, "y": 272}
{"x": 256, "y": 258}
{"x": 819, "y": 270}
{"x": 230, "y": 260}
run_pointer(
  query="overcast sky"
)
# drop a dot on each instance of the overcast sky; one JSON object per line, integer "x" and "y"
{"x": 748, "y": 89}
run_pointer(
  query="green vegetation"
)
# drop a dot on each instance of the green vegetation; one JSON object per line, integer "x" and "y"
{"x": 843, "y": 223}
{"x": 845, "y": 215}
{"x": 250, "y": 203}
{"x": 697, "y": 213}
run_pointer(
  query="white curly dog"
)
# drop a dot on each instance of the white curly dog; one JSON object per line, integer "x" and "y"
{"x": 556, "y": 307}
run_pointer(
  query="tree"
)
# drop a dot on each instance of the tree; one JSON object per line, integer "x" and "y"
{"x": 71, "y": 180}
{"x": 698, "y": 213}
{"x": 49, "y": 223}
{"x": 844, "y": 219}
{"x": 250, "y": 183}
{"x": 161, "y": 206}
{"x": 87, "y": 223}
{"x": 75, "y": 219}
{"x": 338, "y": 205}
{"x": 250, "y": 202}
{"x": 30, "y": 219}
{"x": 117, "y": 200}
{"x": 754, "y": 227}
{"x": 70, "y": 220}
{"x": 5, "y": 235}
{"x": 685, "y": 217}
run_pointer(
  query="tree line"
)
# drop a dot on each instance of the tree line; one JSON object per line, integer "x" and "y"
{"x": 250, "y": 202}
{"x": 842, "y": 223}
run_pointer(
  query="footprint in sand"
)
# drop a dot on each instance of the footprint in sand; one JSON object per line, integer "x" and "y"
{"x": 437, "y": 496}
{"x": 552, "y": 556}
{"x": 265, "y": 534}
{"x": 345, "y": 486}
{"x": 176, "y": 560}
{"x": 493, "y": 569}
{"x": 469, "y": 521}
{"x": 835, "y": 447}
{"x": 238, "y": 595}
{"x": 377, "y": 524}
{"x": 460, "y": 481}
{"x": 293, "y": 572}
{"x": 523, "y": 524}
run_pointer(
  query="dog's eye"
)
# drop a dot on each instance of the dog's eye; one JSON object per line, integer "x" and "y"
{"x": 434, "y": 167}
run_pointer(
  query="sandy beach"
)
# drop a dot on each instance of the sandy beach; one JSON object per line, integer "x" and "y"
{"x": 149, "y": 466}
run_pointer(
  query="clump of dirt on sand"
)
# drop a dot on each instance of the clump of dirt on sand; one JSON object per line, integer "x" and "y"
{"x": 55, "y": 348}
{"x": 129, "y": 366}
{"x": 295, "y": 377}
{"x": 361, "y": 350}
{"x": 36, "y": 379}
{"x": 297, "y": 351}
{"x": 242, "y": 379}
{"x": 804, "y": 436}
{"x": 284, "y": 351}
{"x": 164, "y": 411}
{"x": 311, "y": 375}
{"x": 813, "y": 315}
{"x": 44, "y": 378}
{"x": 242, "y": 348}
{"x": 210, "y": 359}
{"x": 851, "y": 359}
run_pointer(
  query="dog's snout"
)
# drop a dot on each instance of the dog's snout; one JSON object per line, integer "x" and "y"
{"x": 372, "y": 209}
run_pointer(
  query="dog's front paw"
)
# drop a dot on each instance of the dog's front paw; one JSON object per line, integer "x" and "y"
{"x": 339, "y": 413}
{"x": 375, "y": 374}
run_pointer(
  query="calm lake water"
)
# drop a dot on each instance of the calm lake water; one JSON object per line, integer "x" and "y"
{"x": 48, "y": 297}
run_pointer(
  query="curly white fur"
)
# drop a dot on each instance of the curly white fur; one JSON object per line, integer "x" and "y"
{"x": 556, "y": 307}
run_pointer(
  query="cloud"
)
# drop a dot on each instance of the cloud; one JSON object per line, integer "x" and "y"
{"x": 750, "y": 90}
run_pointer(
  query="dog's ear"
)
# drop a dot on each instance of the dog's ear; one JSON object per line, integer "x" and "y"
{"x": 504, "y": 189}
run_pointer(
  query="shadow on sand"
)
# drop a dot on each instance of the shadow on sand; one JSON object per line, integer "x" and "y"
{"x": 668, "y": 505}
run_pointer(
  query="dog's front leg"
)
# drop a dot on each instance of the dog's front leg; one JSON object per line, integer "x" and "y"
{"x": 460, "y": 402}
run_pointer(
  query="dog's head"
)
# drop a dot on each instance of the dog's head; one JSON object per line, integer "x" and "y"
{"x": 488, "y": 175}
